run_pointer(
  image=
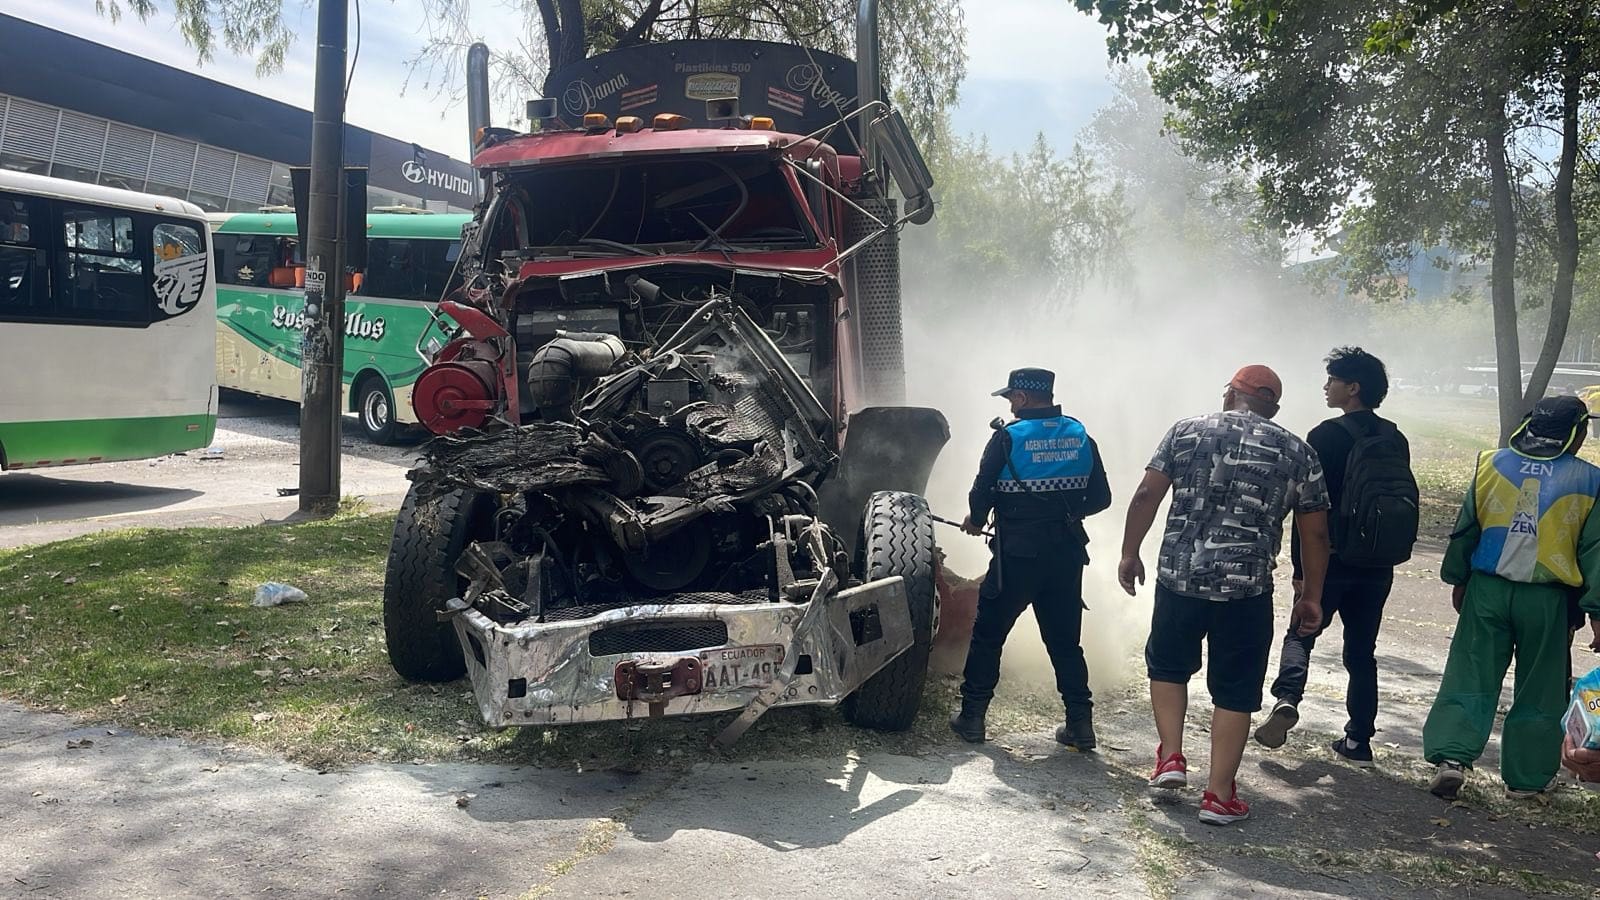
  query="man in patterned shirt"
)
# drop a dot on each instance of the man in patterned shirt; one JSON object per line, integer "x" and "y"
{"x": 1234, "y": 476}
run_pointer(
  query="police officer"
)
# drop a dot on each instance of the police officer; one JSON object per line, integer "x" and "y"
{"x": 1040, "y": 475}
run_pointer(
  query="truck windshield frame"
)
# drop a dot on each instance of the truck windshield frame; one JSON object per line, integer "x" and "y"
{"x": 650, "y": 206}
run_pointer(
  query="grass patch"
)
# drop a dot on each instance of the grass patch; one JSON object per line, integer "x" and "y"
{"x": 155, "y": 630}
{"x": 1446, "y": 435}
{"x": 1162, "y": 858}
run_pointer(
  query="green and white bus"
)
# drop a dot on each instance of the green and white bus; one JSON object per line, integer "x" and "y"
{"x": 107, "y": 324}
{"x": 389, "y": 310}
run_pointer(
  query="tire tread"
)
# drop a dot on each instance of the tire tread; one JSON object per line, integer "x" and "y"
{"x": 419, "y": 575}
{"x": 897, "y": 539}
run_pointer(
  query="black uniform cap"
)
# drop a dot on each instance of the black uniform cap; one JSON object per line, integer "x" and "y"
{"x": 1041, "y": 381}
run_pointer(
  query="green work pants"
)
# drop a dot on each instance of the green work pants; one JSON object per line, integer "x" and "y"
{"x": 1501, "y": 620}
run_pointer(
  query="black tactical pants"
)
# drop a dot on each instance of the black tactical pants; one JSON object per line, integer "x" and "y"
{"x": 1053, "y": 585}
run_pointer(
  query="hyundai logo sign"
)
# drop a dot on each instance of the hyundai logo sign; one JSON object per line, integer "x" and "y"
{"x": 417, "y": 173}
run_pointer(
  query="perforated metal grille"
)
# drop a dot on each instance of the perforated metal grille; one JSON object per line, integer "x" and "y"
{"x": 213, "y": 170}
{"x": 876, "y": 282}
{"x": 251, "y": 179}
{"x": 80, "y": 141}
{"x": 30, "y": 129}
{"x": 674, "y": 637}
{"x": 128, "y": 151}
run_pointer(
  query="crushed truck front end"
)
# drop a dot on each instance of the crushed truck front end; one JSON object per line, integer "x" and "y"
{"x": 697, "y": 654}
{"x": 671, "y": 473}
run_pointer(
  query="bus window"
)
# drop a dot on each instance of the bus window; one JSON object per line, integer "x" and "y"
{"x": 180, "y": 268}
{"x": 23, "y": 290}
{"x": 409, "y": 268}
{"x": 248, "y": 259}
{"x": 101, "y": 278}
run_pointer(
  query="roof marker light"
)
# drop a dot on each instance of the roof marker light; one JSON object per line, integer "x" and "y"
{"x": 669, "y": 122}
{"x": 629, "y": 124}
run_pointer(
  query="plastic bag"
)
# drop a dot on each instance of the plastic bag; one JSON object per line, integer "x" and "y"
{"x": 1582, "y": 720}
{"x": 272, "y": 594}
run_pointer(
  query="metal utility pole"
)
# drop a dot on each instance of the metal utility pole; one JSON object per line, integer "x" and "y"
{"x": 322, "y": 356}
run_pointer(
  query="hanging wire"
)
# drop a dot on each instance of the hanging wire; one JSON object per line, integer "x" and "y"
{"x": 354, "y": 57}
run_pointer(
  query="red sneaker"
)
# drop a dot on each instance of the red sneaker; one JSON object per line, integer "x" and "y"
{"x": 1223, "y": 812}
{"x": 1171, "y": 771}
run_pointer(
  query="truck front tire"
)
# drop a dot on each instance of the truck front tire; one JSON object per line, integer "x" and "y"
{"x": 897, "y": 539}
{"x": 429, "y": 535}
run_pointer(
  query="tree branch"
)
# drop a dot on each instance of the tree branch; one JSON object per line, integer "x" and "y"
{"x": 640, "y": 28}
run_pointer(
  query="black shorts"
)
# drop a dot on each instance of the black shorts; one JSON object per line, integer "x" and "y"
{"x": 1238, "y": 636}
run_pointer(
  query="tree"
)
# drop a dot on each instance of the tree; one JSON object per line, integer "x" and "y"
{"x": 245, "y": 27}
{"x": 1028, "y": 230}
{"x": 924, "y": 41}
{"x": 1203, "y": 211}
{"x": 1445, "y": 122}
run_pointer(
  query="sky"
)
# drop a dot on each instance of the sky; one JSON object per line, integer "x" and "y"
{"x": 1033, "y": 66}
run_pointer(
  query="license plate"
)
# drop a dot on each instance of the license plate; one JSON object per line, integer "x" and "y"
{"x": 732, "y": 668}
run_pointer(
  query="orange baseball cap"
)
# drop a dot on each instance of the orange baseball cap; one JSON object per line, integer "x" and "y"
{"x": 1258, "y": 381}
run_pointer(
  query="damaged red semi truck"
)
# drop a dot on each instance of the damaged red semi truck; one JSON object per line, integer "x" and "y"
{"x": 674, "y": 473}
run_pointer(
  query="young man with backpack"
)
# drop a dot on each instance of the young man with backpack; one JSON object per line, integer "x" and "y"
{"x": 1373, "y": 524}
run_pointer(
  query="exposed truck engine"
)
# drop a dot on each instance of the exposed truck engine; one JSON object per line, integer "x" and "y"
{"x": 670, "y": 475}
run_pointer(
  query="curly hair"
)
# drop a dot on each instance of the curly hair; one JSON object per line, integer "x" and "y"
{"x": 1355, "y": 365}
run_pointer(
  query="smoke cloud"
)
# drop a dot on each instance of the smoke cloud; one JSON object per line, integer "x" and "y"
{"x": 1129, "y": 361}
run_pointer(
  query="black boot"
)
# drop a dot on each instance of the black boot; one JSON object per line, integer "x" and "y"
{"x": 968, "y": 721}
{"x": 1078, "y": 732}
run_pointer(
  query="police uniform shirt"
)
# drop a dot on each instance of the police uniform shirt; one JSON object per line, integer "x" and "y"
{"x": 1032, "y": 518}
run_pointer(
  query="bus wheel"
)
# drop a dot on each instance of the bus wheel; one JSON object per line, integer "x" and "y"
{"x": 375, "y": 406}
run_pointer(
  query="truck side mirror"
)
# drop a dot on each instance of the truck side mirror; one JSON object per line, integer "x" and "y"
{"x": 897, "y": 150}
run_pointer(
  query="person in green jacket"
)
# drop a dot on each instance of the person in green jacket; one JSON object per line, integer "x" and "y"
{"x": 1525, "y": 538}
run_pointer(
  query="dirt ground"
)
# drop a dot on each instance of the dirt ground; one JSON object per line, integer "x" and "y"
{"x": 139, "y": 816}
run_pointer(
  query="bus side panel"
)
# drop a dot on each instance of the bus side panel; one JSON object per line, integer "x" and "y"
{"x": 258, "y": 340}
{"x": 384, "y": 336}
{"x": 69, "y": 442}
{"x": 107, "y": 393}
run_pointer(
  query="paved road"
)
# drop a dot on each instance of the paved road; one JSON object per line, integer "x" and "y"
{"x": 259, "y": 443}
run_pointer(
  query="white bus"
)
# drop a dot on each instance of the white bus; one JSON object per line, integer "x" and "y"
{"x": 108, "y": 324}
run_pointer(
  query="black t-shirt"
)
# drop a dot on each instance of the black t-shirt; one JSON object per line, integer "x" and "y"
{"x": 1333, "y": 443}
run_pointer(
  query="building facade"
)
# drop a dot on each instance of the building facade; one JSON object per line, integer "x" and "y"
{"x": 71, "y": 108}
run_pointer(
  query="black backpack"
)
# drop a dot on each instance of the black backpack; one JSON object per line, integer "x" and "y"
{"x": 1376, "y": 522}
